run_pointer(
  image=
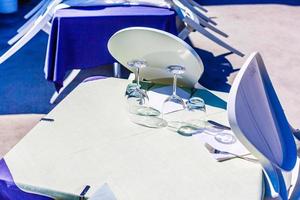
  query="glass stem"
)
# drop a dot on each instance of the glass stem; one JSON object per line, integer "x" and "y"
{"x": 174, "y": 84}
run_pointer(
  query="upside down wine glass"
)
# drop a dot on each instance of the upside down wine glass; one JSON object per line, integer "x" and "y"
{"x": 137, "y": 65}
{"x": 189, "y": 119}
{"x": 198, "y": 124}
{"x": 174, "y": 99}
{"x": 140, "y": 112}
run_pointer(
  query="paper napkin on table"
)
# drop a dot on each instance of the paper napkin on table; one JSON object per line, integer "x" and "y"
{"x": 103, "y": 193}
{"x": 157, "y": 96}
{"x": 207, "y": 136}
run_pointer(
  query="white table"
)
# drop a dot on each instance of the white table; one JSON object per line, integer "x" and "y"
{"x": 91, "y": 142}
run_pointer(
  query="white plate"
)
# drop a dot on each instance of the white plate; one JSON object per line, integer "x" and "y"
{"x": 160, "y": 49}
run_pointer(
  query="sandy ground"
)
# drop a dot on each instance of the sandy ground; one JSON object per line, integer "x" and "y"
{"x": 14, "y": 127}
{"x": 270, "y": 29}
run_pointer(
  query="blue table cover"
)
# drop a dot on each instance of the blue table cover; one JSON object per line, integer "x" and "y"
{"x": 79, "y": 37}
{"x": 10, "y": 191}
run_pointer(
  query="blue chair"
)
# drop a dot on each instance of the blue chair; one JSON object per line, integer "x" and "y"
{"x": 259, "y": 122}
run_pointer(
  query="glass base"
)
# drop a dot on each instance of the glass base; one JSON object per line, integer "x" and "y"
{"x": 225, "y": 138}
{"x": 188, "y": 130}
{"x": 147, "y": 111}
{"x": 149, "y": 121}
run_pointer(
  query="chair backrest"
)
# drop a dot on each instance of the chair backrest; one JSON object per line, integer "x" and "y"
{"x": 257, "y": 118}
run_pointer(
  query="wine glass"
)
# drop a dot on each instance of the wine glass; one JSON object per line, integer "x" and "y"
{"x": 196, "y": 123}
{"x": 140, "y": 112}
{"x": 137, "y": 97}
{"x": 219, "y": 135}
{"x": 174, "y": 101}
{"x": 137, "y": 65}
{"x": 192, "y": 119}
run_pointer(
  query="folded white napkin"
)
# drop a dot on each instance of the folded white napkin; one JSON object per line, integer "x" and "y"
{"x": 208, "y": 136}
{"x": 156, "y": 98}
{"x": 158, "y": 95}
{"x": 103, "y": 193}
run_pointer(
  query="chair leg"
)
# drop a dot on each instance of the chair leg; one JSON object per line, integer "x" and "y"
{"x": 35, "y": 9}
{"x": 23, "y": 31}
{"x": 38, "y": 25}
{"x": 182, "y": 13}
{"x": 25, "y": 39}
{"x": 272, "y": 180}
{"x": 194, "y": 3}
{"x": 117, "y": 70}
{"x": 295, "y": 189}
{"x": 47, "y": 28}
{"x": 196, "y": 12}
{"x": 206, "y": 24}
{"x": 31, "y": 21}
{"x": 27, "y": 25}
{"x": 207, "y": 34}
{"x": 74, "y": 73}
{"x": 184, "y": 33}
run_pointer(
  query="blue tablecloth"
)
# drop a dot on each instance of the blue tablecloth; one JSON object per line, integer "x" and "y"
{"x": 79, "y": 37}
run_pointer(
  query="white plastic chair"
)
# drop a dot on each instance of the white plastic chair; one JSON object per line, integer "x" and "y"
{"x": 186, "y": 12}
{"x": 198, "y": 6}
{"x": 39, "y": 24}
{"x": 40, "y": 20}
{"x": 258, "y": 120}
{"x": 194, "y": 23}
{"x": 190, "y": 5}
{"x": 35, "y": 9}
{"x": 46, "y": 9}
{"x": 29, "y": 24}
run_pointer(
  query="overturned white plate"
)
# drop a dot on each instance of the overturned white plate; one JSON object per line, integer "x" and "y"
{"x": 159, "y": 49}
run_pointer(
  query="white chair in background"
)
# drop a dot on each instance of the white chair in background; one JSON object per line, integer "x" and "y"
{"x": 38, "y": 25}
{"x": 184, "y": 11}
{"x": 189, "y": 5}
{"x": 35, "y": 9}
{"x": 258, "y": 120}
{"x": 198, "y": 6}
{"x": 41, "y": 19}
{"x": 195, "y": 23}
{"x": 29, "y": 23}
{"x": 41, "y": 15}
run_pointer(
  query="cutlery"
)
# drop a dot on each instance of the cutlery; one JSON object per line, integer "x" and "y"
{"x": 218, "y": 125}
{"x": 211, "y": 149}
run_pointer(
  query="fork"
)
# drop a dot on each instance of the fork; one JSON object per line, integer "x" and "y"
{"x": 211, "y": 149}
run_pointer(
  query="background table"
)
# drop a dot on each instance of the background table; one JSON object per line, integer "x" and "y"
{"x": 91, "y": 142}
{"x": 79, "y": 37}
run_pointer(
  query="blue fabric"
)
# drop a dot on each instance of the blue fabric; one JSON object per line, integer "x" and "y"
{"x": 79, "y": 37}
{"x": 10, "y": 191}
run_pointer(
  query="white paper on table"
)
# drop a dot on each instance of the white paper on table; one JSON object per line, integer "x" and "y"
{"x": 103, "y": 193}
{"x": 157, "y": 97}
{"x": 236, "y": 148}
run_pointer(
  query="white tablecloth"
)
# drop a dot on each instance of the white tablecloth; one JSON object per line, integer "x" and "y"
{"x": 91, "y": 142}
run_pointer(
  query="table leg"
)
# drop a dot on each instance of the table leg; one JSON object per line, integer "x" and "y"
{"x": 117, "y": 70}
